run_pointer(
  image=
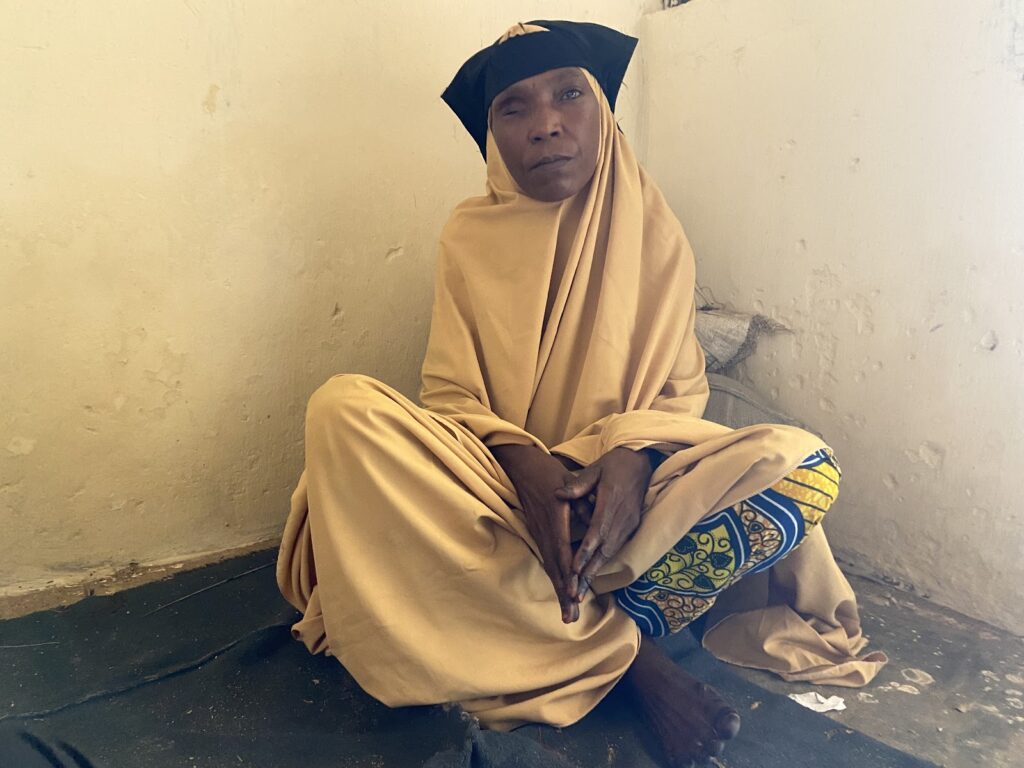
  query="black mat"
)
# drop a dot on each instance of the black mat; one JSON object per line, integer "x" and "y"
{"x": 139, "y": 680}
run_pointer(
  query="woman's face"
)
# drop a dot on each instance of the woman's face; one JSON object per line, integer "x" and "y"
{"x": 547, "y": 128}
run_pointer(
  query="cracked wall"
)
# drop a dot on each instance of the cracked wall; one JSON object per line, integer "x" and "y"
{"x": 857, "y": 173}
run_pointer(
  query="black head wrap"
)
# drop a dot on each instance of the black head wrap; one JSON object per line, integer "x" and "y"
{"x": 602, "y": 51}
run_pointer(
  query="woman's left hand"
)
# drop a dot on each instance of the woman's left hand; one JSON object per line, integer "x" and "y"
{"x": 618, "y": 481}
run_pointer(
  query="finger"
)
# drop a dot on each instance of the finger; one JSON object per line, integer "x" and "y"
{"x": 567, "y": 604}
{"x": 562, "y": 541}
{"x": 596, "y": 563}
{"x": 556, "y": 583}
{"x": 583, "y": 585}
{"x": 586, "y": 551}
{"x": 549, "y": 562}
{"x": 614, "y": 538}
{"x": 620, "y": 527}
{"x": 548, "y": 555}
{"x": 580, "y": 485}
{"x": 594, "y": 537}
{"x": 570, "y": 612}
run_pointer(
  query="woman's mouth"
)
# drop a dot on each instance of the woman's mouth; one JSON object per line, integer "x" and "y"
{"x": 550, "y": 162}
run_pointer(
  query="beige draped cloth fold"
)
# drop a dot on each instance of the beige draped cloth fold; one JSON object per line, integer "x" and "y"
{"x": 569, "y": 326}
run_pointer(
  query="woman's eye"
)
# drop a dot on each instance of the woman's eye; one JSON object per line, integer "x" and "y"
{"x": 572, "y": 93}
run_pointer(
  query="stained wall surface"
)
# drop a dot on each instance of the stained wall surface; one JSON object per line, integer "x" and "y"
{"x": 856, "y": 171}
{"x": 206, "y": 209}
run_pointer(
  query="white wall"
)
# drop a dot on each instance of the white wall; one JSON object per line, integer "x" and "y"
{"x": 856, "y": 170}
{"x": 206, "y": 209}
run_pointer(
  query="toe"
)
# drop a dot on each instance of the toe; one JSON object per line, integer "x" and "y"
{"x": 727, "y": 724}
{"x": 690, "y": 755}
{"x": 682, "y": 762}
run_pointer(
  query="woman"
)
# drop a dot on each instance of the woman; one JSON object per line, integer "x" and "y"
{"x": 514, "y": 544}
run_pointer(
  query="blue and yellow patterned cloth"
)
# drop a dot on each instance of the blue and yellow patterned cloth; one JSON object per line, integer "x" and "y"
{"x": 748, "y": 537}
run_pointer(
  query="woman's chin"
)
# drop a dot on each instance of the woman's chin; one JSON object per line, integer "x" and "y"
{"x": 552, "y": 193}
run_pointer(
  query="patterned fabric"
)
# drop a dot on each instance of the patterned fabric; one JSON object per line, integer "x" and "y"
{"x": 746, "y": 538}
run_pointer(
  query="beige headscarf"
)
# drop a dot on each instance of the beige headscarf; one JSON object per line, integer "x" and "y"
{"x": 570, "y": 325}
{"x": 550, "y": 318}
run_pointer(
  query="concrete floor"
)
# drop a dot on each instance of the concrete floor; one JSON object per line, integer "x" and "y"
{"x": 953, "y": 692}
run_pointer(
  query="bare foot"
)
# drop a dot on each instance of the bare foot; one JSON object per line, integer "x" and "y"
{"x": 690, "y": 719}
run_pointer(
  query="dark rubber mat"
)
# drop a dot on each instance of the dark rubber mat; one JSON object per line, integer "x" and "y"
{"x": 147, "y": 679}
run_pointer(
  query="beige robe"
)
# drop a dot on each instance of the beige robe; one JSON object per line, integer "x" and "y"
{"x": 568, "y": 326}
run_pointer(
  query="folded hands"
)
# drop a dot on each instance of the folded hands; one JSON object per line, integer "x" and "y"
{"x": 606, "y": 496}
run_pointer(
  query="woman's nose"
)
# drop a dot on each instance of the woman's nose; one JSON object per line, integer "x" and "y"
{"x": 547, "y": 125}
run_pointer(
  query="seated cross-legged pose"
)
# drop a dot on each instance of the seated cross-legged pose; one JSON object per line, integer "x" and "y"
{"x": 514, "y": 542}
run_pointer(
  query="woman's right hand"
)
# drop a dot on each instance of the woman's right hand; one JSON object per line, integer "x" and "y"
{"x": 536, "y": 476}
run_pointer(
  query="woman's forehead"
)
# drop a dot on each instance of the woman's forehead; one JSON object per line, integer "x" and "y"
{"x": 601, "y": 52}
{"x": 552, "y": 78}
